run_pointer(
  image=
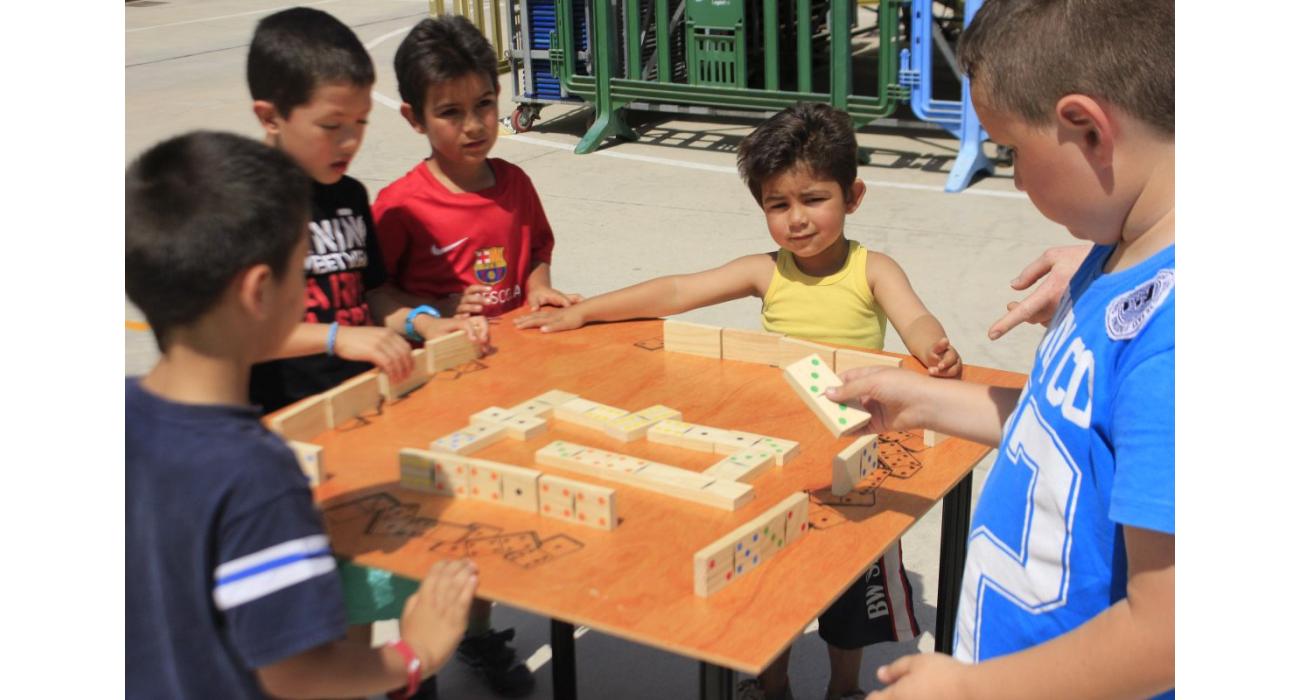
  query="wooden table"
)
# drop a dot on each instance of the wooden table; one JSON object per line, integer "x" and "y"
{"x": 636, "y": 582}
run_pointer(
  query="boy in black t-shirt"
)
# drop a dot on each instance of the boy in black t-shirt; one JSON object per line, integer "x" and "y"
{"x": 310, "y": 80}
{"x": 231, "y": 587}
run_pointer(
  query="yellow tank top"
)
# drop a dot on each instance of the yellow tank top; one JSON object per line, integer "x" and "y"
{"x": 837, "y": 308}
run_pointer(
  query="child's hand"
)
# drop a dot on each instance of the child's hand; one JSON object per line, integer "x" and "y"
{"x": 470, "y": 301}
{"x": 552, "y": 320}
{"x": 548, "y": 296}
{"x": 475, "y": 327}
{"x": 1059, "y": 265}
{"x": 922, "y": 676}
{"x": 435, "y": 616}
{"x": 379, "y": 346}
{"x": 943, "y": 360}
{"x": 894, "y": 397}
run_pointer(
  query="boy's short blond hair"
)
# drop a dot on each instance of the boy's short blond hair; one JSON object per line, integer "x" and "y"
{"x": 1024, "y": 55}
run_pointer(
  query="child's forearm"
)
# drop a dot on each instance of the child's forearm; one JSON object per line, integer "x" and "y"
{"x": 338, "y": 669}
{"x": 649, "y": 299}
{"x": 305, "y": 339}
{"x": 1117, "y": 654}
{"x": 539, "y": 277}
{"x": 967, "y": 410}
{"x": 920, "y": 336}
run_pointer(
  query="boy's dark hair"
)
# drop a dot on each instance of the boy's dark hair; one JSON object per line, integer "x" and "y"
{"x": 1024, "y": 55}
{"x": 816, "y": 136}
{"x": 200, "y": 208}
{"x": 296, "y": 50}
{"x": 438, "y": 50}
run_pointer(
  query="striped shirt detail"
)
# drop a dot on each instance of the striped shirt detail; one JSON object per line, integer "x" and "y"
{"x": 262, "y": 573}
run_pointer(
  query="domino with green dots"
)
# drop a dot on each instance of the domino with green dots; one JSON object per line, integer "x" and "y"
{"x": 810, "y": 378}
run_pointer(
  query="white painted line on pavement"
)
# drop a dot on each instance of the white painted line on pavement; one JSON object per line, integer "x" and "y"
{"x": 237, "y": 14}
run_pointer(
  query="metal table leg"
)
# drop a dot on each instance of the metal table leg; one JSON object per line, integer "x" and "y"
{"x": 564, "y": 669}
{"x": 716, "y": 682}
{"x": 952, "y": 560}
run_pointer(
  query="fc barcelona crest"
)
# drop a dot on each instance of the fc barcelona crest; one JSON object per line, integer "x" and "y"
{"x": 490, "y": 264}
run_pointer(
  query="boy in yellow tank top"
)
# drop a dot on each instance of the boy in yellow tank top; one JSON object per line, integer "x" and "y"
{"x": 801, "y": 166}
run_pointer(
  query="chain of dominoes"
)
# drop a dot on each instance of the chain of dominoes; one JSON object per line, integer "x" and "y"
{"x": 457, "y": 476}
{"x": 668, "y": 480}
{"x": 746, "y": 547}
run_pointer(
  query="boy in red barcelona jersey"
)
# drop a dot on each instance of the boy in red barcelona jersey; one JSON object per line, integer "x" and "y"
{"x": 461, "y": 231}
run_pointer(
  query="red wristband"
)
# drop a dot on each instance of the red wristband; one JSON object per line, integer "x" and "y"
{"x": 413, "y": 666}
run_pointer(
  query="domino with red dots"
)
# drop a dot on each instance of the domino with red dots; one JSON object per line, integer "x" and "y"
{"x": 577, "y": 502}
{"x": 810, "y": 378}
{"x": 744, "y": 549}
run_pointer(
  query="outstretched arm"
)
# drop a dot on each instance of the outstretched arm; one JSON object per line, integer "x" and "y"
{"x": 920, "y": 330}
{"x": 900, "y": 399}
{"x": 662, "y": 296}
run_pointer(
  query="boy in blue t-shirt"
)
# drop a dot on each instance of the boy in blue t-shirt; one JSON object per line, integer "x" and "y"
{"x": 231, "y": 588}
{"x": 1068, "y": 589}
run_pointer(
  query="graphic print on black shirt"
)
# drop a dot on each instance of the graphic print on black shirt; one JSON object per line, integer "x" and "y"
{"x": 343, "y": 263}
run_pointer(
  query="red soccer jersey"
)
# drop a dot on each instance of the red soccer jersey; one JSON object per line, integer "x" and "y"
{"x": 436, "y": 243}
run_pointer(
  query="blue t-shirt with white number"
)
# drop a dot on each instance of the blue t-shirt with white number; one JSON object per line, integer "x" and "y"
{"x": 1089, "y": 449}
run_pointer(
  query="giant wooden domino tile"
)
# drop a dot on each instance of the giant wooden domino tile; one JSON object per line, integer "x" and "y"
{"x": 851, "y": 359}
{"x": 417, "y": 378}
{"x": 782, "y": 450}
{"x": 744, "y": 466}
{"x": 310, "y": 459}
{"x": 930, "y": 438}
{"x": 447, "y": 351}
{"x": 748, "y": 546}
{"x": 517, "y": 426}
{"x": 661, "y": 478}
{"x": 588, "y": 504}
{"x": 634, "y": 426}
{"x": 304, "y": 420}
{"x": 692, "y": 339}
{"x": 792, "y": 350}
{"x": 759, "y": 347}
{"x": 469, "y": 439}
{"x": 702, "y": 438}
{"x": 853, "y": 464}
{"x": 542, "y": 406}
{"x": 571, "y": 411}
{"x": 352, "y": 398}
{"x": 810, "y": 377}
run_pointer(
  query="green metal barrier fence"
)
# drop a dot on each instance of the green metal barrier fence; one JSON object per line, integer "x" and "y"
{"x": 718, "y": 69}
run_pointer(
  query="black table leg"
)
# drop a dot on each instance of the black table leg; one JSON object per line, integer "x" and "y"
{"x": 564, "y": 668}
{"x": 952, "y": 560}
{"x": 716, "y": 682}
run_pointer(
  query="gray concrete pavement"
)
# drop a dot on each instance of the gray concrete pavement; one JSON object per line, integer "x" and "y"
{"x": 668, "y": 203}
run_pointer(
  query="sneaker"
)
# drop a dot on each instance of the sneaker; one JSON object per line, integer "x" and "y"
{"x": 752, "y": 689}
{"x": 492, "y": 658}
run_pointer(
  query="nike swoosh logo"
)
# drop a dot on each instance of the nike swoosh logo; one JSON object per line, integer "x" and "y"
{"x": 440, "y": 251}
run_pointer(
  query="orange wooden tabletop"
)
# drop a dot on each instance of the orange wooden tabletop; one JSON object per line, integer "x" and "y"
{"x": 634, "y": 582}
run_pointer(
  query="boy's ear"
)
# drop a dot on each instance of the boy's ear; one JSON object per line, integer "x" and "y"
{"x": 252, "y": 289}
{"x": 1081, "y": 119}
{"x": 268, "y": 116}
{"x": 408, "y": 113}
{"x": 859, "y": 191}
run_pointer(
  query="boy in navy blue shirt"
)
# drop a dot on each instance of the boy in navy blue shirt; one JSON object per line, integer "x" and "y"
{"x": 1068, "y": 589}
{"x": 232, "y": 590}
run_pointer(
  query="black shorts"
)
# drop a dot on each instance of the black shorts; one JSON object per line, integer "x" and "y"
{"x": 876, "y": 608}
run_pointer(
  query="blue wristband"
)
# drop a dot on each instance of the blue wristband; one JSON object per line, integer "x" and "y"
{"x": 333, "y": 336}
{"x": 410, "y": 321}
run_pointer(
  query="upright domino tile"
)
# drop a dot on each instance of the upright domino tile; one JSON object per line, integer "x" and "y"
{"x": 747, "y": 547}
{"x": 310, "y": 459}
{"x": 484, "y": 482}
{"x": 448, "y": 351}
{"x": 354, "y": 397}
{"x": 932, "y": 437}
{"x": 809, "y": 378}
{"x": 851, "y": 359}
{"x": 693, "y": 339}
{"x": 423, "y": 470}
{"x": 555, "y": 498}
{"x": 759, "y": 347}
{"x": 303, "y": 420}
{"x": 456, "y": 476}
{"x": 792, "y": 350}
{"x": 853, "y": 464}
{"x": 469, "y": 439}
